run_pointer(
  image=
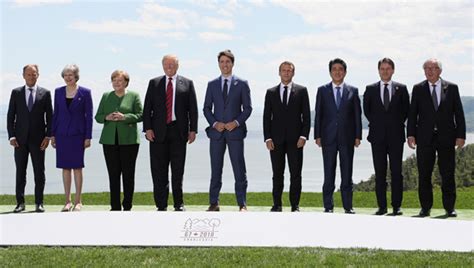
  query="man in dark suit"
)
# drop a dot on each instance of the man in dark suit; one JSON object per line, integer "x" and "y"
{"x": 227, "y": 106}
{"x": 435, "y": 126}
{"x": 286, "y": 124}
{"x": 29, "y": 129}
{"x": 386, "y": 105}
{"x": 170, "y": 119}
{"x": 337, "y": 129}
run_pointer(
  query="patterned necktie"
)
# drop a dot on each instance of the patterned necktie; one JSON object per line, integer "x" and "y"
{"x": 434, "y": 97}
{"x": 285, "y": 96}
{"x": 386, "y": 97}
{"x": 224, "y": 90}
{"x": 30, "y": 99}
{"x": 169, "y": 101}
{"x": 338, "y": 97}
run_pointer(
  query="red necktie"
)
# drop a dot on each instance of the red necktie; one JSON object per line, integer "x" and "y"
{"x": 169, "y": 101}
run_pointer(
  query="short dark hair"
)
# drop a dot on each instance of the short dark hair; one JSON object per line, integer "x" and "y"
{"x": 30, "y": 66}
{"x": 226, "y": 53}
{"x": 337, "y": 61}
{"x": 289, "y": 63}
{"x": 386, "y": 60}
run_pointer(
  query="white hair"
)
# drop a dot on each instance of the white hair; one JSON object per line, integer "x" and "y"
{"x": 435, "y": 61}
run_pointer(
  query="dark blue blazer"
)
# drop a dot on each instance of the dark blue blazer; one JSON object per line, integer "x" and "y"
{"x": 237, "y": 107}
{"x": 338, "y": 126}
{"x": 75, "y": 120}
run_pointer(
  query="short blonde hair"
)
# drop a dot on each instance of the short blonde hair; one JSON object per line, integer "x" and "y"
{"x": 121, "y": 73}
{"x": 71, "y": 68}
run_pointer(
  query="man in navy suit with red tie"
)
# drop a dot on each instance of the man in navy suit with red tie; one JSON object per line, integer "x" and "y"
{"x": 386, "y": 105}
{"x": 227, "y": 106}
{"x": 435, "y": 126}
{"x": 337, "y": 129}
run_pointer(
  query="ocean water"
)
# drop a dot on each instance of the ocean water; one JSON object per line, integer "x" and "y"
{"x": 197, "y": 171}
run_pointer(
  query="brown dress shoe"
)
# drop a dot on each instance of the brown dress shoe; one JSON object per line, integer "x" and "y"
{"x": 213, "y": 207}
{"x": 243, "y": 208}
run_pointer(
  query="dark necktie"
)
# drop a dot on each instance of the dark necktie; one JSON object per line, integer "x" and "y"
{"x": 434, "y": 97}
{"x": 30, "y": 100}
{"x": 224, "y": 90}
{"x": 285, "y": 97}
{"x": 338, "y": 97}
{"x": 169, "y": 101}
{"x": 386, "y": 97}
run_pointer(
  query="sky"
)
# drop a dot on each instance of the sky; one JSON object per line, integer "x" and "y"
{"x": 102, "y": 36}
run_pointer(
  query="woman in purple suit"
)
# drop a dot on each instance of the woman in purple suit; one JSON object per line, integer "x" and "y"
{"x": 72, "y": 132}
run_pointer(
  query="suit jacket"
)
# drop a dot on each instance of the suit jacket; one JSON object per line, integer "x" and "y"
{"x": 286, "y": 122}
{"x": 131, "y": 106}
{"x": 75, "y": 120}
{"x": 386, "y": 126}
{"x": 449, "y": 119}
{"x": 335, "y": 126}
{"x": 238, "y": 106}
{"x": 23, "y": 124}
{"x": 185, "y": 108}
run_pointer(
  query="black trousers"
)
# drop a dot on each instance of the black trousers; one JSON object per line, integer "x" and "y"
{"x": 394, "y": 151}
{"x": 21, "y": 161}
{"x": 121, "y": 160}
{"x": 426, "y": 156}
{"x": 171, "y": 151}
{"x": 295, "y": 162}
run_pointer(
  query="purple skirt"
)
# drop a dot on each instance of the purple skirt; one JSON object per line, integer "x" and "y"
{"x": 70, "y": 152}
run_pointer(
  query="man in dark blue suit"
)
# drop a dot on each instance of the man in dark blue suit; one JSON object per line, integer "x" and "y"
{"x": 338, "y": 129}
{"x": 227, "y": 106}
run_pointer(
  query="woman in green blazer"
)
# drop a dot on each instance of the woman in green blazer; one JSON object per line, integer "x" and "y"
{"x": 120, "y": 110}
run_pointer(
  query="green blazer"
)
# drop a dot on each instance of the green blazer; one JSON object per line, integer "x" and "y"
{"x": 131, "y": 106}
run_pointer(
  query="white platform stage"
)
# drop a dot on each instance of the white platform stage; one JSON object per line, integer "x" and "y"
{"x": 306, "y": 229}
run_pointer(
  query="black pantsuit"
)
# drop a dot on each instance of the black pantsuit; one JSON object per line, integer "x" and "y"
{"x": 295, "y": 163}
{"x": 120, "y": 160}
{"x": 172, "y": 151}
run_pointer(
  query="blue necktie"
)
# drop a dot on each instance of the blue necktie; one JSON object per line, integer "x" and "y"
{"x": 30, "y": 100}
{"x": 338, "y": 97}
{"x": 224, "y": 90}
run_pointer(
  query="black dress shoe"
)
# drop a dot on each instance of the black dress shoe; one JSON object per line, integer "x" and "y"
{"x": 19, "y": 208}
{"x": 424, "y": 213}
{"x": 276, "y": 209}
{"x": 213, "y": 207}
{"x": 39, "y": 208}
{"x": 162, "y": 209}
{"x": 328, "y": 210}
{"x": 451, "y": 214}
{"x": 295, "y": 209}
{"x": 243, "y": 208}
{"x": 381, "y": 211}
{"x": 349, "y": 211}
{"x": 397, "y": 212}
{"x": 180, "y": 208}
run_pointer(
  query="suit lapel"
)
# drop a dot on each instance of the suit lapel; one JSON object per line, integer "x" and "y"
{"x": 76, "y": 100}
{"x": 379, "y": 94}
{"x": 428, "y": 91}
{"x": 444, "y": 92}
{"x": 39, "y": 96}
{"x": 331, "y": 95}
{"x": 395, "y": 94}
{"x": 233, "y": 83}
{"x": 292, "y": 94}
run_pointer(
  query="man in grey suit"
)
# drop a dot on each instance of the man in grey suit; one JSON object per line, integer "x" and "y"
{"x": 29, "y": 129}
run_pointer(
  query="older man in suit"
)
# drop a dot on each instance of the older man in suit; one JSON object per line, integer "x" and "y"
{"x": 170, "y": 119}
{"x": 435, "y": 126}
{"x": 337, "y": 129}
{"x": 286, "y": 124}
{"x": 29, "y": 128}
{"x": 386, "y": 105}
{"x": 227, "y": 106}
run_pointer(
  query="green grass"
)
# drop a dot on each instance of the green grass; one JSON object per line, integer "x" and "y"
{"x": 225, "y": 257}
{"x": 465, "y": 199}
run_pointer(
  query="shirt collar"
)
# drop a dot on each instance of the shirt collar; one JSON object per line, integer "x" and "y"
{"x": 290, "y": 86}
{"x": 35, "y": 87}
{"x": 174, "y": 77}
{"x": 382, "y": 84}
{"x": 334, "y": 85}
{"x": 229, "y": 78}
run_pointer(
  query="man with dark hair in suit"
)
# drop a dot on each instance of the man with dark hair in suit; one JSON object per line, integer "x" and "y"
{"x": 227, "y": 106}
{"x": 435, "y": 126}
{"x": 386, "y": 105}
{"x": 338, "y": 129}
{"x": 286, "y": 125}
{"x": 170, "y": 119}
{"x": 29, "y": 129}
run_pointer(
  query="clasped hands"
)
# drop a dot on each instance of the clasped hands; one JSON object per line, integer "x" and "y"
{"x": 219, "y": 126}
{"x": 115, "y": 116}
